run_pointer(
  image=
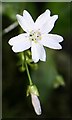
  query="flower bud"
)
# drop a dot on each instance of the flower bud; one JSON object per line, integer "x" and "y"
{"x": 33, "y": 91}
{"x": 36, "y": 104}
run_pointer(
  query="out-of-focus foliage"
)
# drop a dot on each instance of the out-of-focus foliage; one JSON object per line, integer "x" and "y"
{"x": 11, "y": 9}
{"x": 46, "y": 75}
{"x": 63, "y": 12}
{"x": 52, "y": 77}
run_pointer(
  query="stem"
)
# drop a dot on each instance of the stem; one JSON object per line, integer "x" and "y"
{"x": 28, "y": 73}
{"x": 30, "y": 81}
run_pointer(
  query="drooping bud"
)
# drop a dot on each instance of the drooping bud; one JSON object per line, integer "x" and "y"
{"x": 33, "y": 91}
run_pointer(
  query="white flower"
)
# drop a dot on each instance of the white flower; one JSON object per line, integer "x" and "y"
{"x": 36, "y": 104}
{"x": 37, "y": 35}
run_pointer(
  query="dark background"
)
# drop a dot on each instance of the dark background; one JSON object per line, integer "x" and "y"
{"x": 55, "y": 102}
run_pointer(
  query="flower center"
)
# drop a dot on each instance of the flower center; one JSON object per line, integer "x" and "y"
{"x": 35, "y": 36}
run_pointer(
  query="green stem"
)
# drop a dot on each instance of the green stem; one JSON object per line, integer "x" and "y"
{"x": 30, "y": 81}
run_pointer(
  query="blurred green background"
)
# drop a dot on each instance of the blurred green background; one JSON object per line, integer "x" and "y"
{"x": 55, "y": 101}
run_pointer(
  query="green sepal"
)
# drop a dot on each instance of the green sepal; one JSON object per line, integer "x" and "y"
{"x": 58, "y": 81}
{"x": 32, "y": 89}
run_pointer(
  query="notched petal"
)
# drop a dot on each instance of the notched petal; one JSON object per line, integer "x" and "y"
{"x": 25, "y": 21}
{"x": 51, "y": 41}
{"x": 20, "y": 43}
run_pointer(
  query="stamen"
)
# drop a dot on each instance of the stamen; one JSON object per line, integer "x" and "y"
{"x": 35, "y": 36}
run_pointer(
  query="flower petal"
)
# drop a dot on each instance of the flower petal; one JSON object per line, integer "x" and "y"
{"x": 42, "y": 53}
{"x": 25, "y": 21}
{"x": 49, "y": 24}
{"x": 35, "y": 55}
{"x": 51, "y": 41}
{"x": 41, "y": 19}
{"x": 28, "y": 19}
{"x": 38, "y": 52}
{"x": 36, "y": 104}
{"x": 45, "y": 22}
{"x": 20, "y": 43}
{"x": 22, "y": 23}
